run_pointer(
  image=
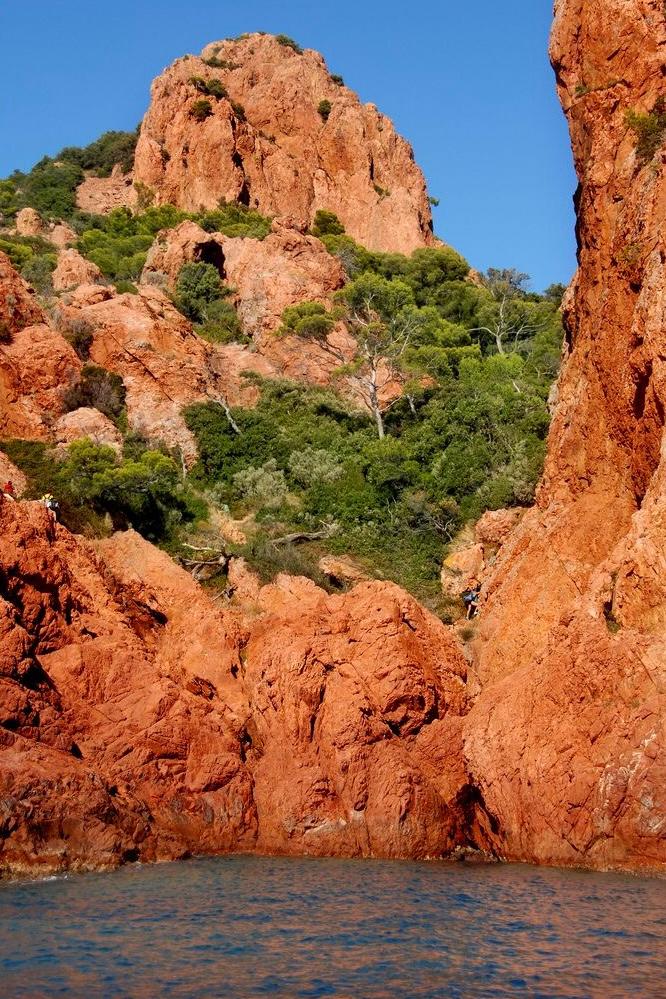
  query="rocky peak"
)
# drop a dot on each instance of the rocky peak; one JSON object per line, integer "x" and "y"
{"x": 258, "y": 122}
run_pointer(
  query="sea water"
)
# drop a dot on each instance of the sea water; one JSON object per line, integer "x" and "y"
{"x": 251, "y": 926}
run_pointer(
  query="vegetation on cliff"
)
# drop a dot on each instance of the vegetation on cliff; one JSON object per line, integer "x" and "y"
{"x": 467, "y": 433}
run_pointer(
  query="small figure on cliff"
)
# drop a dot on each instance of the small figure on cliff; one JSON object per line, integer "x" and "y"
{"x": 470, "y": 599}
{"x": 8, "y": 490}
{"x": 51, "y": 504}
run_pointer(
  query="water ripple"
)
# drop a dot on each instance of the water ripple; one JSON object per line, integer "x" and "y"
{"x": 250, "y": 927}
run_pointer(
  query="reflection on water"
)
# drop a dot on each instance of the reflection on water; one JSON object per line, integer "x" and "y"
{"x": 250, "y": 926}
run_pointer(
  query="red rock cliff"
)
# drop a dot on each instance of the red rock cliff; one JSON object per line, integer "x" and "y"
{"x": 279, "y": 153}
{"x": 567, "y": 740}
{"x": 139, "y": 720}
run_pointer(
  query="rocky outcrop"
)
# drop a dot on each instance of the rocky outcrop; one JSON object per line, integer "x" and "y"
{"x": 30, "y": 223}
{"x": 141, "y": 721}
{"x": 35, "y": 370}
{"x": 99, "y": 195}
{"x": 73, "y": 270}
{"x": 269, "y": 146}
{"x": 86, "y": 422}
{"x": 18, "y": 306}
{"x": 164, "y": 365}
{"x": 567, "y": 740}
{"x": 267, "y": 275}
{"x": 10, "y": 473}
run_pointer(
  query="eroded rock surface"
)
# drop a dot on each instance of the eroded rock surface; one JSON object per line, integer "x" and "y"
{"x": 269, "y": 146}
{"x": 567, "y": 740}
{"x": 138, "y": 720}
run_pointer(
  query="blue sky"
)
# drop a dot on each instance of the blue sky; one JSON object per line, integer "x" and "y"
{"x": 468, "y": 83}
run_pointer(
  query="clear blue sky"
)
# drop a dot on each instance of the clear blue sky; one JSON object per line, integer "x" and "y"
{"x": 467, "y": 82}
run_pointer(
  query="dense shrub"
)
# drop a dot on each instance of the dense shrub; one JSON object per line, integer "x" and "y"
{"x": 201, "y": 110}
{"x": 289, "y": 43}
{"x": 38, "y": 272}
{"x": 78, "y": 332}
{"x": 650, "y": 130}
{"x": 211, "y": 88}
{"x": 197, "y": 287}
{"x": 307, "y": 319}
{"x": 326, "y": 224}
{"x": 266, "y": 484}
{"x": 144, "y": 491}
{"x": 98, "y": 388}
{"x": 104, "y": 153}
{"x": 324, "y": 108}
{"x": 235, "y": 220}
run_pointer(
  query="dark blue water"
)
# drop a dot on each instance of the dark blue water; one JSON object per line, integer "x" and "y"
{"x": 249, "y": 926}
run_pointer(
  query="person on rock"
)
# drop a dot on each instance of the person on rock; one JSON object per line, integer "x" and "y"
{"x": 51, "y": 504}
{"x": 8, "y": 490}
{"x": 470, "y": 599}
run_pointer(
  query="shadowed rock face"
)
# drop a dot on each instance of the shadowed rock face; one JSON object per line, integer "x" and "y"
{"x": 137, "y": 720}
{"x": 279, "y": 154}
{"x": 568, "y": 737}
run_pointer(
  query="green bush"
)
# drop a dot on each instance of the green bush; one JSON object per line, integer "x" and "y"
{"x": 222, "y": 324}
{"x": 145, "y": 492}
{"x": 307, "y": 319}
{"x": 78, "y": 332}
{"x": 201, "y": 110}
{"x": 336, "y": 78}
{"x": 38, "y": 272}
{"x": 267, "y": 483}
{"x": 99, "y": 389}
{"x": 324, "y": 108}
{"x": 327, "y": 224}
{"x": 289, "y": 43}
{"x": 238, "y": 110}
{"x": 235, "y": 220}
{"x": 104, "y": 153}
{"x": 197, "y": 287}
{"x": 314, "y": 465}
{"x": 211, "y": 88}
{"x": 650, "y": 130}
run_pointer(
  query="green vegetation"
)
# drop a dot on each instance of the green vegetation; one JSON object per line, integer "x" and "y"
{"x": 389, "y": 478}
{"x": 78, "y": 333}
{"x": 650, "y": 130}
{"x": 34, "y": 258}
{"x": 143, "y": 490}
{"x": 104, "y": 153}
{"x": 200, "y": 295}
{"x": 337, "y": 79}
{"x": 211, "y": 88}
{"x": 201, "y": 110}
{"x": 289, "y": 43}
{"x": 51, "y": 184}
{"x": 99, "y": 389}
{"x": 326, "y": 224}
{"x": 324, "y": 108}
{"x": 118, "y": 242}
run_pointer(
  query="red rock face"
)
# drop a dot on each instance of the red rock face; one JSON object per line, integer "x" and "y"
{"x": 567, "y": 740}
{"x": 279, "y": 155}
{"x": 140, "y": 721}
{"x": 268, "y": 275}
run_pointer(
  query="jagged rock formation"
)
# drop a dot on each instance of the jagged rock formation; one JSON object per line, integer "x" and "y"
{"x": 568, "y": 738}
{"x": 267, "y": 275}
{"x": 138, "y": 720}
{"x": 269, "y": 147}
